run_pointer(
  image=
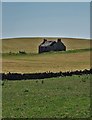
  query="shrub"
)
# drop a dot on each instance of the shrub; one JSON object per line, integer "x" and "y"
{"x": 22, "y": 52}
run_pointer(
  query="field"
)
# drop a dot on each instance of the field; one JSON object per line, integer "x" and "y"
{"x": 73, "y": 59}
{"x": 66, "y": 97}
{"x": 63, "y": 97}
{"x": 54, "y": 62}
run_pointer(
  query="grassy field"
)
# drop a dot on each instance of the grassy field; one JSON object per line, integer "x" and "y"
{"x": 55, "y": 62}
{"x": 31, "y": 44}
{"x": 74, "y": 58}
{"x": 67, "y": 97}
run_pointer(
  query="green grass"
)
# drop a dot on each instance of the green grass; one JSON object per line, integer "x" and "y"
{"x": 67, "y": 97}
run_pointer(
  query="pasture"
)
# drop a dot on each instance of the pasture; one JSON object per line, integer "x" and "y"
{"x": 77, "y": 56}
{"x": 53, "y": 61}
{"x": 65, "y": 97}
{"x": 62, "y": 97}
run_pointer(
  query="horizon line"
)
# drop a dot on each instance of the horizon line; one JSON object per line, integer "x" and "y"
{"x": 44, "y": 37}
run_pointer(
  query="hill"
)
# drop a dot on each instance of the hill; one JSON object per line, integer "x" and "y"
{"x": 77, "y": 56}
{"x": 31, "y": 44}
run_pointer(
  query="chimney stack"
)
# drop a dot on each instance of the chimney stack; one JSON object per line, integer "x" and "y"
{"x": 59, "y": 40}
{"x": 44, "y": 40}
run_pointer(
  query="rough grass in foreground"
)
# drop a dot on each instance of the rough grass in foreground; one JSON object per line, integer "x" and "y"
{"x": 67, "y": 97}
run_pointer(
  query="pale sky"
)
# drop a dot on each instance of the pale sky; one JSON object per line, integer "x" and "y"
{"x": 28, "y": 19}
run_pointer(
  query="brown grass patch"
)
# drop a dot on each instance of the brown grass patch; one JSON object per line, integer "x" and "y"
{"x": 31, "y": 44}
{"x": 47, "y": 62}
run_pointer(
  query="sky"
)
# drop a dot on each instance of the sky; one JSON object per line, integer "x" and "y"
{"x": 0, "y": 19}
{"x": 35, "y": 19}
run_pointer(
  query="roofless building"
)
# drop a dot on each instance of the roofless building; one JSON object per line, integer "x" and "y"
{"x": 47, "y": 46}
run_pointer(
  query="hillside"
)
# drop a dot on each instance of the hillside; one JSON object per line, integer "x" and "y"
{"x": 31, "y": 44}
{"x": 73, "y": 59}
